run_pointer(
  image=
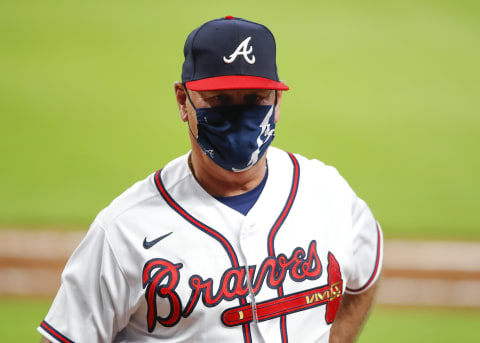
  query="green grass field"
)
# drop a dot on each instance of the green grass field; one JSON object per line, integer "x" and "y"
{"x": 20, "y": 317}
{"x": 395, "y": 325}
{"x": 385, "y": 91}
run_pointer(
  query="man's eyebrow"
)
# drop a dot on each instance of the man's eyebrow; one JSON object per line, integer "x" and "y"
{"x": 212, "y": 93}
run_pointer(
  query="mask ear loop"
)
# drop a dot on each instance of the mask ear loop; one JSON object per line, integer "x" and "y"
{"x": 188, "y": 96}
{"x": 275, "y": 105}
{"x": 191, "y": 102}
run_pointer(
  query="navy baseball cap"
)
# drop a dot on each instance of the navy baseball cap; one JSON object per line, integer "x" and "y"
{"x": 230, "y": 53}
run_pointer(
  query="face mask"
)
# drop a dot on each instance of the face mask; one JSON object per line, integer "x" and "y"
{"x": 235, "y": 137}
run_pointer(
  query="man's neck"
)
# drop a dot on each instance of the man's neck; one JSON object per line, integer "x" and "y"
{"x": 220, "y": 182}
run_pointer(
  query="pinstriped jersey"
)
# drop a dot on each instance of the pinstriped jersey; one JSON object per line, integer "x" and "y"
{"x": 168, "y": 262}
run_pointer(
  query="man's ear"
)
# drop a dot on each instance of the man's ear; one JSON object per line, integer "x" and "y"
{"x": 181, "y": 97}
{"x": 277, "y": 107}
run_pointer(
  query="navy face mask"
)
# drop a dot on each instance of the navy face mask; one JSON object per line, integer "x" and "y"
{"x": 235, "y": 137}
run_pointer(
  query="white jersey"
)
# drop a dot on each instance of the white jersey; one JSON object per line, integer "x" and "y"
{"x": 168, "y": 262}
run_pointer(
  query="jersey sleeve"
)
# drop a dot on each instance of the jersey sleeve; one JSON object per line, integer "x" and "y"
{"x": 91, "y": 303}
{"x": 366, "y": 248}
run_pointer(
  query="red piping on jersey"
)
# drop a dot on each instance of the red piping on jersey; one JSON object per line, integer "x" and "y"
{"x": 208, "y": 230}
{"x": 47, "y": 327}
{"x": 215, "y": 234}
{"x": 276, "y": 227}
{"x": 375, "y": 270}
{"x": 227, "y": 246}
{"x": 286, "y": 209}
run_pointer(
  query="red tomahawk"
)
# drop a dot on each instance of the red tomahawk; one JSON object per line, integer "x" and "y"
{"x": 329, "y": 294}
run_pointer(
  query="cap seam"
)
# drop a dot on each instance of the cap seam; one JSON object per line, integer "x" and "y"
{"x": 193, "y": 42}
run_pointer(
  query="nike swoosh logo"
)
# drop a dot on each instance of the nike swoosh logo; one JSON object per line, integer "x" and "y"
{"x": 148, "y": 245}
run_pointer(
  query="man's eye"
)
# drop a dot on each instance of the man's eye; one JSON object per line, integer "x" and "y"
{"x": 221, "y": 99}
{"x": 252, "y": 99}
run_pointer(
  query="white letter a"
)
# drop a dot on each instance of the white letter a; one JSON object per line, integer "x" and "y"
{"x": 242, "y": 49}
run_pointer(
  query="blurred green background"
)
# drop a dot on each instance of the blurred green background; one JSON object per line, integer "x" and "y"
{"x": 386, "y": 91}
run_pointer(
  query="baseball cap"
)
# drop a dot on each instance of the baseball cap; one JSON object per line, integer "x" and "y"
{"x": 231, "y": 53}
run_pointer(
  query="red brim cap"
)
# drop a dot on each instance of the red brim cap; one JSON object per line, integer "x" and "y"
{"x": 235, "y": 82}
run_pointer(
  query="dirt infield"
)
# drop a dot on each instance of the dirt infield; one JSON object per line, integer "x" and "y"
{"x": 425, "y": 273}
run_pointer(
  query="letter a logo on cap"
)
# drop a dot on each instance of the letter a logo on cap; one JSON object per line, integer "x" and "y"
{"x": 242, "y": 49}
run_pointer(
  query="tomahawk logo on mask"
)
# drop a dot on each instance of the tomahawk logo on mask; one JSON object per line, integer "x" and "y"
{"x": 243, "y": 50}
{"x": 235, "y": 137}
{"x": 266, "y": 134}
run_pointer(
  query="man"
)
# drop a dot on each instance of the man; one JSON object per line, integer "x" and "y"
{"x": 233, "y": 242}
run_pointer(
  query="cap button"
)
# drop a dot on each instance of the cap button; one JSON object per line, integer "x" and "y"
{"x": 229, "y": 17}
